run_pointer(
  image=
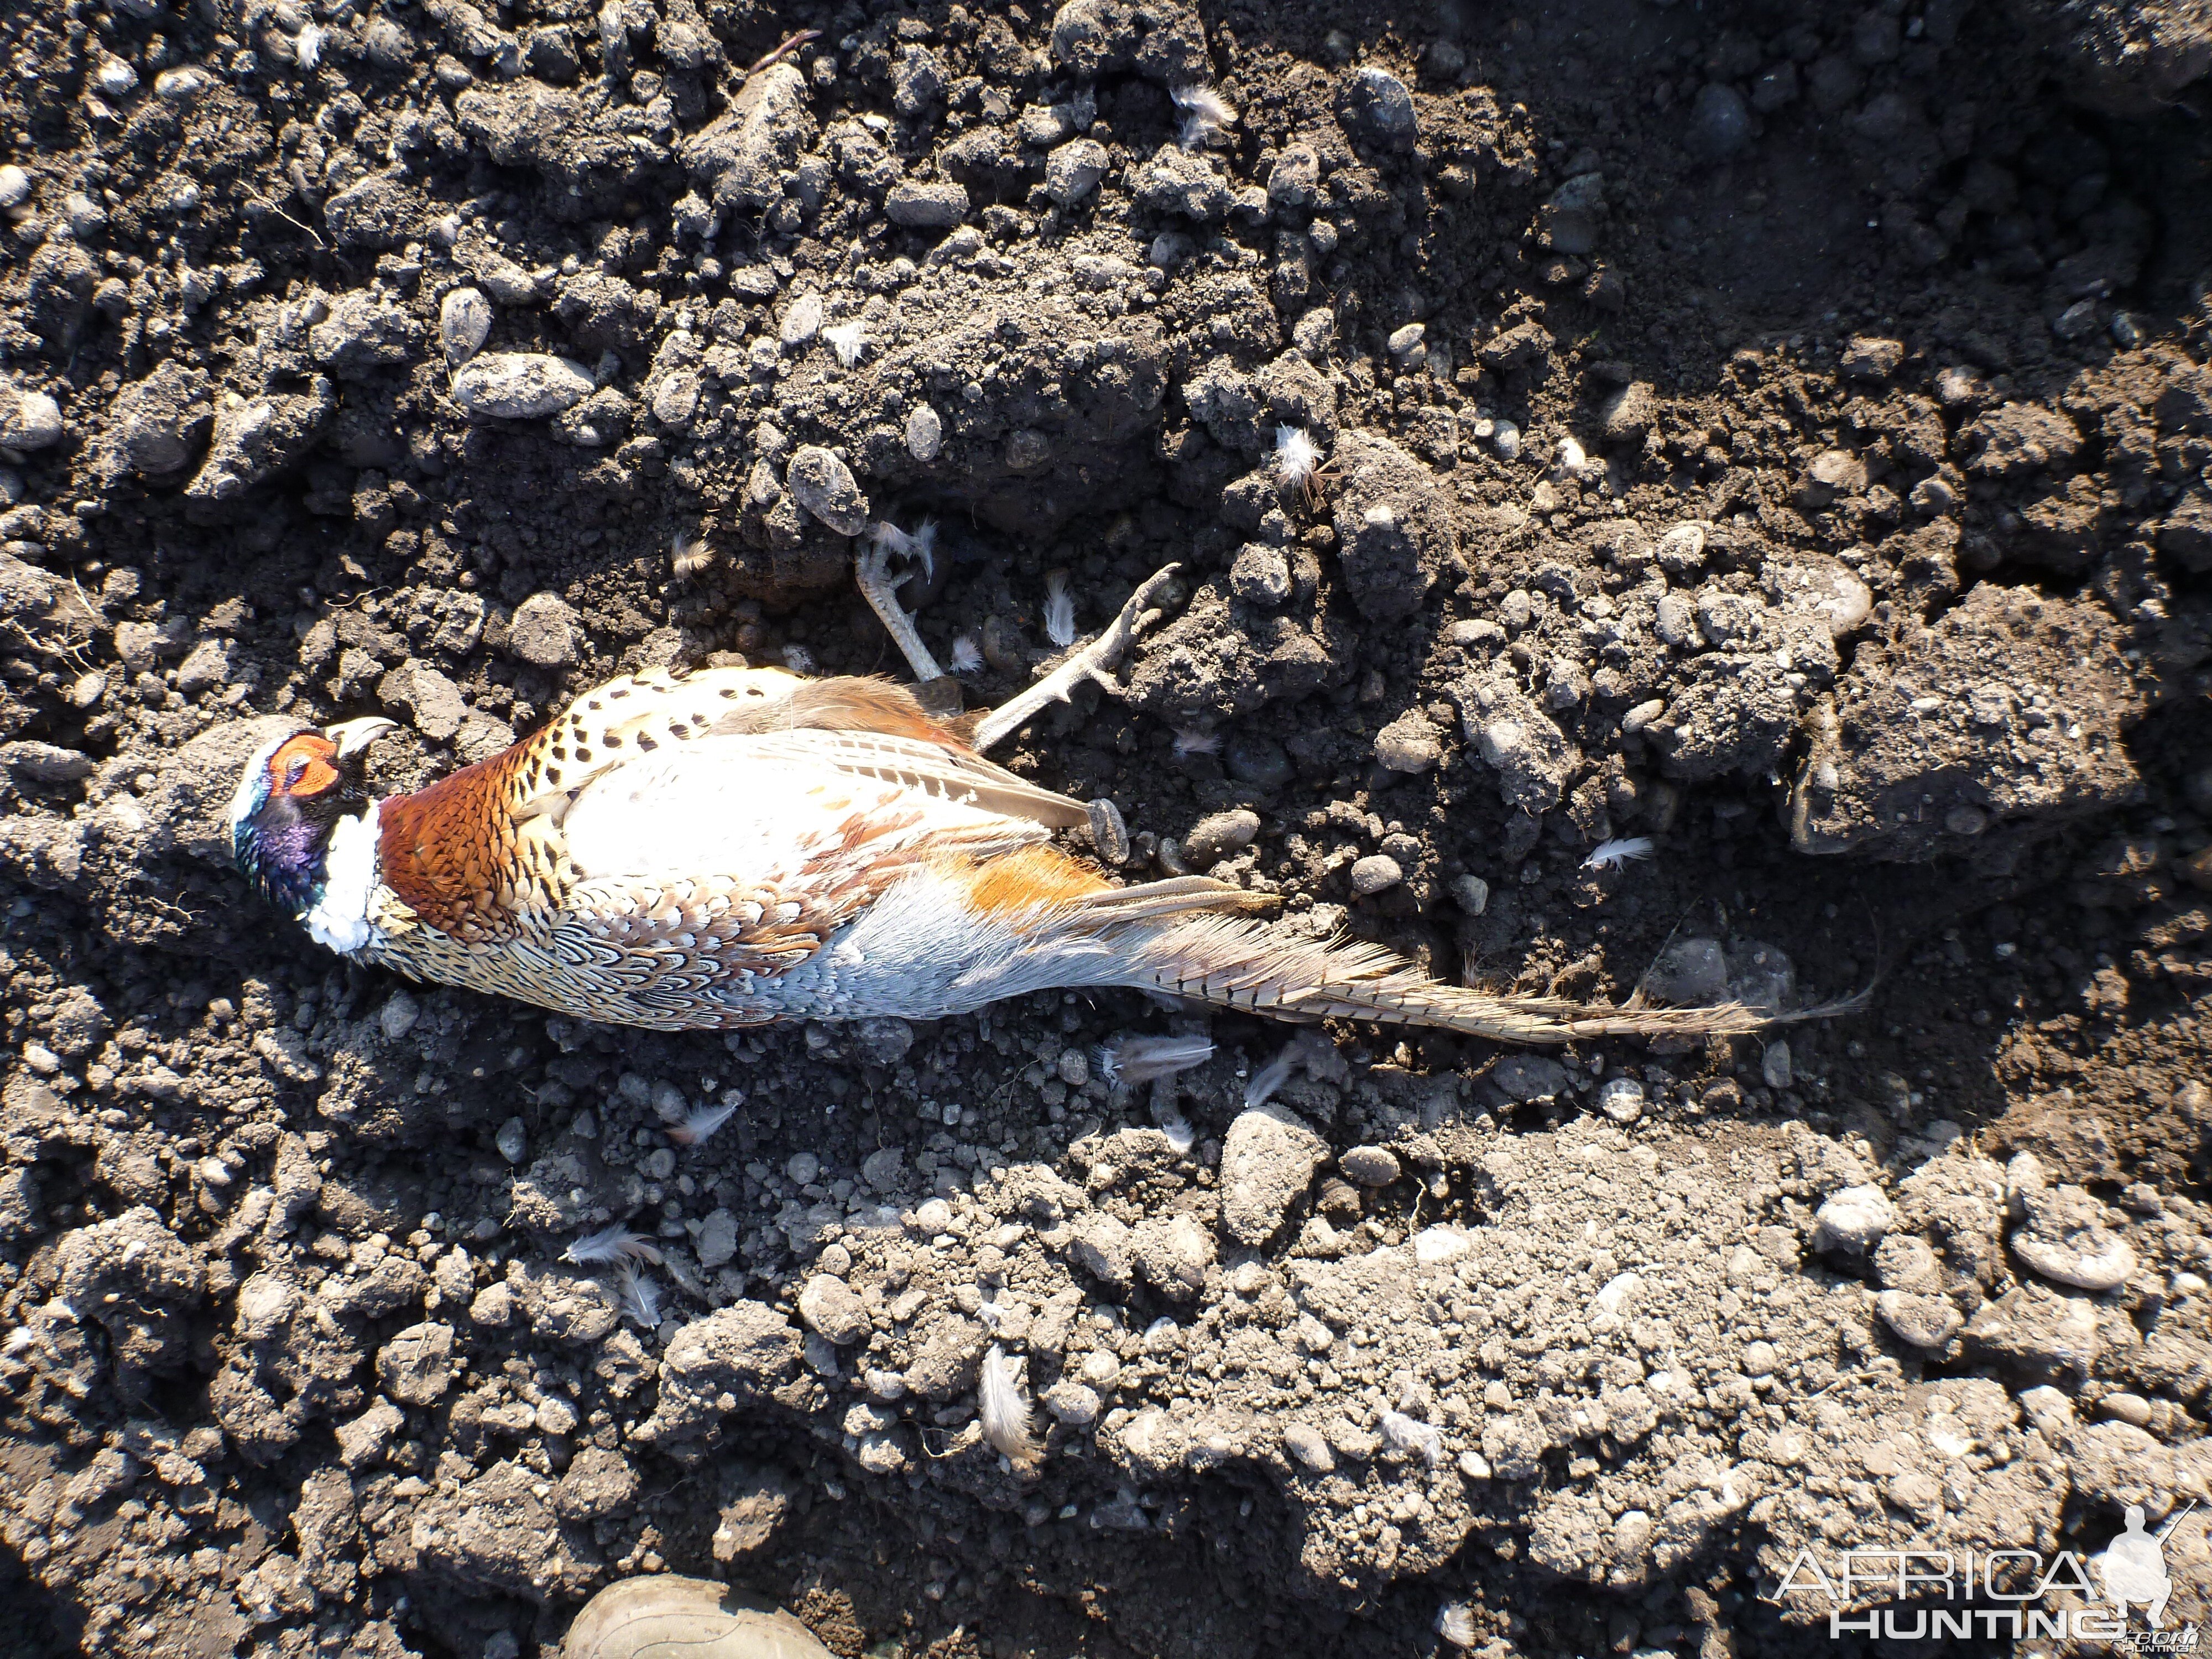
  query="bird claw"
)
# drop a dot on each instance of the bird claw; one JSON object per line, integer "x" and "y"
{"x": 1095, "y": 661}
{"x": 871, "y": 569}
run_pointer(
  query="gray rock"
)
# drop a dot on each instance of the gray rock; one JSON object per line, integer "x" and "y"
{"x": 258, "y": 438}
{"x": 1925, "y": 1322}
{"x": 429, "y": 699}
{"x": 924, "y": 433}
{"x": 1408, "y": 744}
{"x": 1183, "y": 181}
{"x": 926, "y": 207}
{"x": 415, "y": 1367}
{"x": 543, "y": 631}
{"x": 1268, "y": 1162}
{"x": 1254, "y": 757}
{"x": 917, "y": 82}
{"x": 1172, "y": 1252}
{"x": 1856, "y": 1220}
{"x": 743, "y": 157}
{"x": 1371, "y": 1166}
{"x": 1690, "y": 973}
{"x": 1377, "y": 872}
{"x": 1260, "y": 574}
{"x": 28, "y": 420}
{"x": 15, "y": 186}
{"x": 519, "y": 385}
{"x": 159, "y": 421}
{"x": 1394, "y": 534}
{"x": 1471, "y": 894}
{"x": 365, "y": 333}
{"x": 1516, "y": 740}
{"x": 1071, "y": 170}
{"x": 1072, "y": 1403}
{"x": 1308, "y": 1448}
{"x": 1720, "y": 123}
{"x": 830, "y": 1309}
{"x": 1373, "y": 106}
{"x": 1621, "y": 1099}
{"x": 824, "y": 485}
{"x": 1530, "y": 1077}
{"x": 1212, "y": 839}
{"x": 2065, "y": 1239}
{"x": 464, "y": 325}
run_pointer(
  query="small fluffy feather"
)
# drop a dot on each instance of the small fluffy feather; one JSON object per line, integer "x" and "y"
{"x": 1611, "y": 855}
{"x": 1456, "y": 1624}
{"x": 699, "y": 1123}
{"x": 1297, "y": 455}
{"x": 799, "y": 659}
{"x": 1006, "y": 1414}
{"x": 307, "y": 46}
{"x": 849, "y": 341}
{"x": 1410, "y": 1434}
{"x": 1205, "y": 114}
{"x": 1141, "y": 1059}
{"x": 1179, "y": 1136}
{"x": 641, "y": 1296}
{"x": 924, "y": 547}
{"x": 967, "y": 658}
{"x": 616, "y": 1243}
{"x": 1059, "y": 609}
{"x": 1270, "y": 1077}
{"x": 1191, "y": 740}
{"x": 691, "y": 554}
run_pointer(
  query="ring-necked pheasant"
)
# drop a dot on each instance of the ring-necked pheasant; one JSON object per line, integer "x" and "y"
{"x": 741, "y": 845}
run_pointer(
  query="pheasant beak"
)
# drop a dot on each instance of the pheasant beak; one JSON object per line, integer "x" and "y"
{"x": 354, "y": 736}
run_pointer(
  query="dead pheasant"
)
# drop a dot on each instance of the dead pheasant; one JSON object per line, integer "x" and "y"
{"x": 742, "y": 846}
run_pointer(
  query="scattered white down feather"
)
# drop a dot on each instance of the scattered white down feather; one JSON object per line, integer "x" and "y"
{"x": 924, "y": 547}
{"x": 1270, "y": 1077}
{"x": 1205, "y": 114}
{"x": 1410, "y": 1434}
{"x": 849, "y": 341}
{"x": 1611, "y": 855}
{"x": 967, "y": 658}
{"x": 1175, "y": 1129}
{"x": 1194, "y": 740}
{"x": 699, "y": 1123}
{"x": 799, "y": 659}
{"x": 611, "y": 1244}
{"x": 1141, "y": 1059}
{"x": 1456, "y": 1624}
{"x": 1059, "y": 609}
{"x": 1006, "y": 1414}
{"x": 689, "y": 555}
{"x": 1298, "y": 457}
{"x": 307, "y": 46}
{"x": 641, "y": 1296}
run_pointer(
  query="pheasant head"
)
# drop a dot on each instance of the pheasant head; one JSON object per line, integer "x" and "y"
{"x": 300, "y": 817}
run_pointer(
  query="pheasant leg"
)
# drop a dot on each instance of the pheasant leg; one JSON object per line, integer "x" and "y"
{"x": 1095, "y": 661}
{"x": 872, "y": 570}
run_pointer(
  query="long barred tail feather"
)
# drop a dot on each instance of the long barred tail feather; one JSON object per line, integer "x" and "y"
{"x": 1236, "y": 963}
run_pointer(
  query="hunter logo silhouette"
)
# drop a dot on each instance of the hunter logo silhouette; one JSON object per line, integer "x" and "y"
{"x": 2133, "y": 1567}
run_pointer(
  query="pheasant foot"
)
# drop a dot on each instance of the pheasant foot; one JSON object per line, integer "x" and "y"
{"x": 1095, "y": 661}
{"x": 872, "y": 569}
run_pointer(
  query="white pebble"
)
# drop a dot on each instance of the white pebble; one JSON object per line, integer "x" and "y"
{"x": 1506, "y": 439}
{"x": 1621, "y": 1099}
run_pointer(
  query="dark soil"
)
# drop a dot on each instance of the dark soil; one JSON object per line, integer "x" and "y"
{"x": 1855, "y": 548}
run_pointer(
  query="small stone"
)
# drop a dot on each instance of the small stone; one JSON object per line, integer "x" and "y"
{"x": 1072, "y": 1403}
{"x": 1531, "y": 1076}
{"x": 464, "y": 325}
{"x": 2064, "y": 1239}
{"x": 398, "y": 1017}
{"x": 1474, "y": 1466}
{"x": 1505, "y": 440}
{"x": 926, "y": 207}
{"x": 1855, "y": 1219}
{"x": 824, "y": 485}
{"x": 1254, "y": 758}
{"x": 924, "y": 433}
{"x": 1072, "y": 171}
{"x": 519, "y": 385}
{"x": 802, "y": 321}
{"x": 1268, "y": 1161}
{"x": 717, "y": 1240}
{"x": 416, "y": 1366}
{"x": 492, "y": 1307}
{"x": 1307, "y": 1445}
{"x": 1377, "y": 872}
{"x": 1621, "y": 1099}
{"x": 15, "y": 186}
{"x": 2048, "y": 1409}
{"x": 1759, "y": 1358}
{"x": 513, "y": 1140}
{"x": 1213, "y": 839}
{"x": 28, "y": 420}
{"x": 1720, "y": 123}
{"x": 1869, "y": 357}
{"x": 543, "y": 631}
{"x": 1260, "y": 574}
{"x": 1471, "y": 894}
{"x": 115, "y": 78}
{"x": 1774, "y": 1064}
{"x": 1374, "y": 106}
{"x": 1925, "y": 1322}
{"x": 830, "y": 1309}
{"x": 1371, "y": 1166}
{"x": 1408, "y": 744}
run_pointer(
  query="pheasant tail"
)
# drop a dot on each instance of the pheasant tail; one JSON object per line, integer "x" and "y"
{"x": 1237, "y": 963}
